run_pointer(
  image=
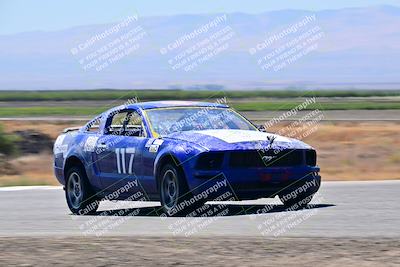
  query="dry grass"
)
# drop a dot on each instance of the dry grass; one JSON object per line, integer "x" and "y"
{"x": 35, "y": 169}
{"x": 347, "y": 151}
{"x": 357, "y": 150}
{"x": 52, "y": 129}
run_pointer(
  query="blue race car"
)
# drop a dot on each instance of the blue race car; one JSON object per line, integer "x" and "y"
{"x": 182, "y": 154}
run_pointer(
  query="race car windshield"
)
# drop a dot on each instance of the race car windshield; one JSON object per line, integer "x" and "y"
{"x": 168, "y": 120}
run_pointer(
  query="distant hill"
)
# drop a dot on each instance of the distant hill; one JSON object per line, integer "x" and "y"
{"x": 360, "y": 48}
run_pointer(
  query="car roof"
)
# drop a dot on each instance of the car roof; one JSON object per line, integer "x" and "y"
{"x": 168, "y": 104}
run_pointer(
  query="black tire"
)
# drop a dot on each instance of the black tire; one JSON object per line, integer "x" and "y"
{"x": 174, "y": 193}
{"x": 301, "y": 201}
{"x": 80, "y": 197}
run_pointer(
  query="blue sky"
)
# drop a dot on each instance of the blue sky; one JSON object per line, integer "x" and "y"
{"x": 31, "y": 15}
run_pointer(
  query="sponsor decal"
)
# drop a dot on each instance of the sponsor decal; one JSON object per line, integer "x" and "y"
{"x": 158, "y": 142}
{"x": 153, "y": 148}
{"x": 149, "y": 142}
{"x": 58, "y": 145}
{"x": 154, "y": 144}
{"x": 90, "y": 143}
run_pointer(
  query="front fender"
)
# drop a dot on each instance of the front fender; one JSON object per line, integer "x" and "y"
{"x": 183, "y": 154}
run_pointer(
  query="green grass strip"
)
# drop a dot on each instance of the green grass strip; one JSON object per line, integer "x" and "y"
{"x": 253, "y": 106}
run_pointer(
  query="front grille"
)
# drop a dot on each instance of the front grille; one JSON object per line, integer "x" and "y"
{"x": 268, "y": 158}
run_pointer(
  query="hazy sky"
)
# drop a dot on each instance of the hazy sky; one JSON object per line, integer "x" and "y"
{"x": 30, "y": 15}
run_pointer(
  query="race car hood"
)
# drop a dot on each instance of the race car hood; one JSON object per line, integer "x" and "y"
{"x": 226, "y": 139}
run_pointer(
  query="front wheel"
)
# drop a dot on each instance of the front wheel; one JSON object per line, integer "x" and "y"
{"x": 79, "y": 195}
{"x": 175, "y": 196}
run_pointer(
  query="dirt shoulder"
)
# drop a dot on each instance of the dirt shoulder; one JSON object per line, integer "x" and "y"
{"x": 221, "y": 251}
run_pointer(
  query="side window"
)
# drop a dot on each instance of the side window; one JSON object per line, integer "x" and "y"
{"x": 128, "y": 123}
{"x": 134, "y": 126}
{"x": 116, "y": 126}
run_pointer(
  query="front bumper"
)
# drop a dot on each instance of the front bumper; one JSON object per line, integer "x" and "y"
{"x": 255, "y": 183}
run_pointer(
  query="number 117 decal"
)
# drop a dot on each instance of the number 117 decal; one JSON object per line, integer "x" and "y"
{"x": 122, "y": 154}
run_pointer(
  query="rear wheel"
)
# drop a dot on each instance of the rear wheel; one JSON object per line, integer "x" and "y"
{"x": 80, "y": 198}
{"x": 175, "y": 197}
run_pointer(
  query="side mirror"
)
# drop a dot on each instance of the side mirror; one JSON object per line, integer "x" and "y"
{"x": 261, "y": 128}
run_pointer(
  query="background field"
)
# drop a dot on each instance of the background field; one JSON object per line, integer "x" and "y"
{"x": 91, "y": 102}
{"x": 353, "y": 143}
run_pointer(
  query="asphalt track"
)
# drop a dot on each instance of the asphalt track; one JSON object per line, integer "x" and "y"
{"x": 342, "y": 209}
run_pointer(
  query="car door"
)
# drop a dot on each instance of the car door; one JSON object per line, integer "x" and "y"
{"x": 117, "y": 160}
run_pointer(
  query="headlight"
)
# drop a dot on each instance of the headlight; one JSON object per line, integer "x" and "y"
{"x": 210, "y": 161}
{"x": 311, "y": 158}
